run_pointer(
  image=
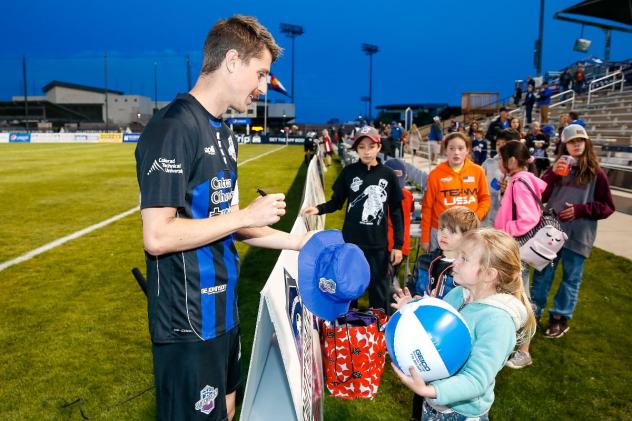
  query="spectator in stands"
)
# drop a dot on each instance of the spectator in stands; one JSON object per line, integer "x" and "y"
{"x": 538, "y": 143}
{"x": 544, "y": 100}
{"x": 414, "y": 139}
{"x": 529, "y": 102}
{"x": 578, "y": 79}
{"x": 396, "y": 136}
{"x": 474, "y": 127}
{"x": 531, "y": 82}
{"x": 371, "y": 191}
{"x": 458, "y": 181}
{"x": 479, "y": 147}
{"x": 573, "y": 116}
{"x": 496, "y": 180}
{"x": 501, "y": 123}
{"x": 517, "y": 94}
{"x": 564, "y": 119}
{"x": 516, "y": 124}
{"x": 454, "y": 125}
{"x": 580, "y": 200}
{"x": 434, "y": 137}
{"x": 565, "y": 80}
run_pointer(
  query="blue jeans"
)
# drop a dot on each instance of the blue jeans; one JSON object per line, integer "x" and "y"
{"x": 568, "y": 292}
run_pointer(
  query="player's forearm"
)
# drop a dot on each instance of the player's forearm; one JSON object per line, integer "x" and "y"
{"x": 173, "y": 234}
{"x": 270, "y": 238}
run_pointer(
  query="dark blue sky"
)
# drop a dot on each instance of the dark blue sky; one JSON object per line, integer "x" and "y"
{"x": 429, "y": 51}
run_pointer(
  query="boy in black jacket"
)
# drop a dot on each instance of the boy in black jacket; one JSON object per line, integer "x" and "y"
{"x": 371, "y": 190}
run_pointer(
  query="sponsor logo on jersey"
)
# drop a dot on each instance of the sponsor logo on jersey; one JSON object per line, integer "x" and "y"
{"x": 218, "y": 289}
{"x": 446, "y": 179}
{"x": 168, "y": 166}
{"x": 206, "y": 404}
{"x": 209, "y": 150}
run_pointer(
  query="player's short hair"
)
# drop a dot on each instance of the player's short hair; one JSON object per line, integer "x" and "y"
{"x": 459, "y": 218}
{"x": 242, "y": 33}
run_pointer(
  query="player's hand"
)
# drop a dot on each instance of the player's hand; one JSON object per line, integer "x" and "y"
{"x": 309, "y": 211}
{"x": 415, "y": 382}
{"x": 396, "y": 257}
{"x": 266, "y": 210}
{"x": 425, "y": 247}
{"x": 401, "y": 298}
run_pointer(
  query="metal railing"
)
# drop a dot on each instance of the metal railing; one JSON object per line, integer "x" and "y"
{"x": 570, "y": 99}
{"x": 599, "y": 84}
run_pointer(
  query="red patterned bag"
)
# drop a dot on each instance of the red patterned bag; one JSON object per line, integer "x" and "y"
{"x": 353, "y": 352}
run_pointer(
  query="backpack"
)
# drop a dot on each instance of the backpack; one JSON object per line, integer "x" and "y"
{"x": 432, "y": 276}
{"x": 540, "y": 245}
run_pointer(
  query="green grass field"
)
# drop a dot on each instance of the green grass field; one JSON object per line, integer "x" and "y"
{"x": 73, "y": 329}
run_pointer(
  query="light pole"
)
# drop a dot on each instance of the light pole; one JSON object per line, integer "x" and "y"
{"x": 370, "y": 49}
{"x": 155, "y": 87}
{"x": 538, "y": 43}
{"x": 292, "y": 31}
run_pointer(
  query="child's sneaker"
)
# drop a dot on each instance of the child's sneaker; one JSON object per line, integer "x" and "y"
{"x": 519, "y": 359}
{"x": 557, "y": 328}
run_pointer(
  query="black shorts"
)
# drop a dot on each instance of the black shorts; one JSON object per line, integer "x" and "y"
{"x": 193, "y": 378}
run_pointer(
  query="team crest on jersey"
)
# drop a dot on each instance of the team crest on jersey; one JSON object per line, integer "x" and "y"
{"x": 355, "y": 184}
{"x": 206, "y": 404}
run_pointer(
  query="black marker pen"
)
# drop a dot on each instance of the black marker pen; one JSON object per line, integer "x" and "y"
{"x": 261, "y": 193}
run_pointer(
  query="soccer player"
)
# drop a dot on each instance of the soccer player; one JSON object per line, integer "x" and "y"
{"x": 186, "y": 164}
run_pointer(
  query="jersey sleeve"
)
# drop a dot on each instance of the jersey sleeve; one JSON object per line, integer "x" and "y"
{"x": 163, "y": 164}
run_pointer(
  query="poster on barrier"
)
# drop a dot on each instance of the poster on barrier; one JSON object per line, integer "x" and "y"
{"x": 4, "y": 137}
{"x": 46, "y": 138}
{"x": 131, "y": 137}
{"x": 285, "y": 377}
{"x": 19, "y": 137}
{"x": 110, "y": 137}
{"x": 82, "y": 137}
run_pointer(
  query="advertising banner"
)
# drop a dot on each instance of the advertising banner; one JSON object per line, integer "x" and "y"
{"x": 110, "y": 137}
{"x": 19, "y": 137}
{"x": 131, "y": 137}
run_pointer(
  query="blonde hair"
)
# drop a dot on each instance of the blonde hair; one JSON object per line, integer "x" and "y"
{"x": 459, "y": 217}
{"x": 500, "y": 251}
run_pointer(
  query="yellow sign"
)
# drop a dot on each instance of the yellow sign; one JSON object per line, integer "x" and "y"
{"x": 110, "y": 138}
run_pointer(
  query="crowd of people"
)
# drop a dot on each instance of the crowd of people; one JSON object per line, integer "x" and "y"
{"x": 191, "y": 217}
{"x": 499, "y": 179}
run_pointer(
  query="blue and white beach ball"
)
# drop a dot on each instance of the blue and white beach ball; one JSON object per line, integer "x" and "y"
{"x": 430, "y": 335}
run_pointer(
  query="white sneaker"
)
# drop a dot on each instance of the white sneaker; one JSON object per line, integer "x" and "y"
{"x": 519, "y": 359}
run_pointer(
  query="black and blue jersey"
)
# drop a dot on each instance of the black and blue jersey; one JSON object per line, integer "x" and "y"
{"x": 187, "y": 159}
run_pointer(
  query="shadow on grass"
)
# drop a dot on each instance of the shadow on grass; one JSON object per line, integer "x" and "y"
{"x": 256, "y": 266}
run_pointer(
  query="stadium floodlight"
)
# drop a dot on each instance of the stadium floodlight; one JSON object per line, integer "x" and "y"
{"x": 292, "y": 31}
{"x": 370, "y": 49}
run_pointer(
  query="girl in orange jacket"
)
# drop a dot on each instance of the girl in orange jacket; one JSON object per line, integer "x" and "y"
{"x": 455, "y": 182}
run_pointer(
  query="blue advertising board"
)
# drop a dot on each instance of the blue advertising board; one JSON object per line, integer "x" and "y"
{"x": 131, "y": 137}
{"x": 240, "y": 121}
{"x": 19, "y": 137}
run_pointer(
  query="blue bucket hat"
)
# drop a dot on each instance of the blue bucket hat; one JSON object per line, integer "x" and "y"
{"x": 331, "y": 274}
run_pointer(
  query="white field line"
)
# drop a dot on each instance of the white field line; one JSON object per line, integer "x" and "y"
{"x": 80, "y": 233}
